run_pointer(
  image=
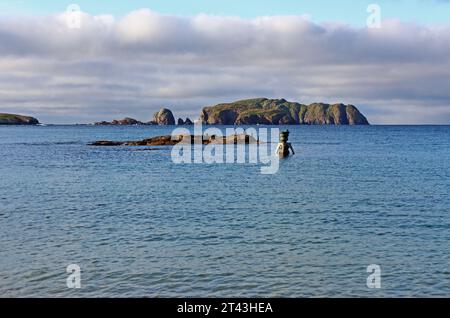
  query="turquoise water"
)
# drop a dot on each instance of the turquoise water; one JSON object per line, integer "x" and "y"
{"x": 139, "y": 225}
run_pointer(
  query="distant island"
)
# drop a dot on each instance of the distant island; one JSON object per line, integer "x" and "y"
{"x": 13, "y": 119}
{"x": 257, "y": 111}
{"x": 263, "y": 111}
{"x": 162, "y": 118}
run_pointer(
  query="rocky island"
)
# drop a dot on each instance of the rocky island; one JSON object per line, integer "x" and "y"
{"x": 162, "y": 117}
{"x": 186, "y": 139}
{"x": 186, "y": 122}
{"x": 12, "y": 119}
{"x": 122, "y": 122}
{"x": 260, "y": 111}
{"x": 263, "y": 111}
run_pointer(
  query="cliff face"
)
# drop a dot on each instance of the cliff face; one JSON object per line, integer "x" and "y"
{"x": 11, "y": 119}
{"x": 164, "y": 117}
{"x": 265, "y": 111}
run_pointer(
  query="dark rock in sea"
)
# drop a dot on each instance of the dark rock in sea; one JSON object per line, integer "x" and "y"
{"x": 155, "y": 141}
{"x": 174, "y": 140}
{"x": 186, "y": 122}
{"x": 148, "y": 149}
{"x": 164, "y": 117}
{"x": 123, "y": 122}
{"x": 263, "y": 111}
{"x": 127, "y": 121}
{"x": 107, "y": 143}
{"x": 103, "y": 123}
{"x": 12, "y": 119}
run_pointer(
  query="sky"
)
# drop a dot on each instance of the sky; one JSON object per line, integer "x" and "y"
{"x": 130, "y": 58}
{"x": 350, "y": 11}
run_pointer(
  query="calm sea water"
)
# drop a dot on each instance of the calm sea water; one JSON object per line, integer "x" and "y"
{"x": 139, "y": 225}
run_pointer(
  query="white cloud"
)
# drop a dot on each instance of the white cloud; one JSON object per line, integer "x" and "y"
{"x": 130, "y": 67}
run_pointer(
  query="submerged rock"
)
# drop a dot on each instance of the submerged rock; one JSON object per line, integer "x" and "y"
{"x": 107, "y": 143}
{"x": 174, "y": 140}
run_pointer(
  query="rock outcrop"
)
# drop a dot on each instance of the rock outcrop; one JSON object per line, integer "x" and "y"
{"x": 164, "y": 117}
{"x": 174, "y": 140}
{"x": 263, "y": 111}
{"x": 186, "y": 122}
{"x": 12, "y": 119}
{"x": 122, "y": 122}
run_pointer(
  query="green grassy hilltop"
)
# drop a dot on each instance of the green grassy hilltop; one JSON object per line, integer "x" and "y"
{"x": 12, "y": 119}
{"x": 281, "y": 112}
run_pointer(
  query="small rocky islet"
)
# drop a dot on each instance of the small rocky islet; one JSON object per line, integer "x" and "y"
{"x": 184, "y": 139}
{"x": 162, "y": 118}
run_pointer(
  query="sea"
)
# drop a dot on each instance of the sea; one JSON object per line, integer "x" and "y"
{"x": 359, "y": 211}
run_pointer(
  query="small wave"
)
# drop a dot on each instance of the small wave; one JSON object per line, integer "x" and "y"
{"x": 57, "y": 143}
{"x": 322, "y": 143}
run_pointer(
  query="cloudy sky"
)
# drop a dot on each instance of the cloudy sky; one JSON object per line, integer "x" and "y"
{"x": 129, "y": 59}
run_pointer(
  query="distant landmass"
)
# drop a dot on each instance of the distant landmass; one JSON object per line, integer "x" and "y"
{"x": 258, "y": 111}
{"x": 12, "y": 119}
{"x": 263, "y": 111}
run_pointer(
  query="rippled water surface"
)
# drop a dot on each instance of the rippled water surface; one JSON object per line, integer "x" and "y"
{"x": 139, "y": 225}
